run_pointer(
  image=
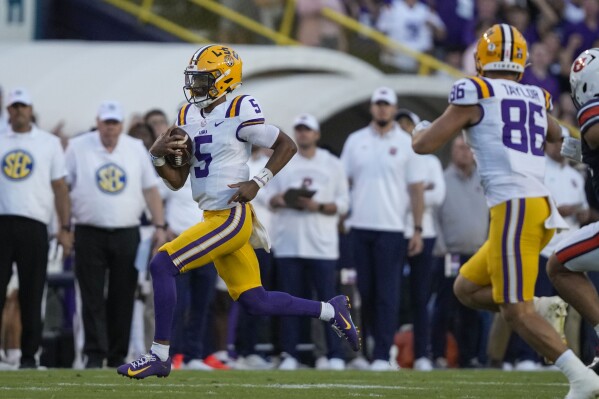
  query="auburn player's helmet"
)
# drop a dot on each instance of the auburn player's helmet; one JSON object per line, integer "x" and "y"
{"x": 501, "y": 48}
{"x": 213, "y": 71}
{"x": 584, "y": 77}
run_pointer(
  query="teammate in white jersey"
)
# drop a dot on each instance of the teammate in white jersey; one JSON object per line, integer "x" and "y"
{"x": 579, "y": 251}
{"x": 506, "y": 125}
{"x": 223, "y": 131}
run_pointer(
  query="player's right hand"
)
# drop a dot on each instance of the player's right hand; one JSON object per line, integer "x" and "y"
{"x": 166, "y": 144}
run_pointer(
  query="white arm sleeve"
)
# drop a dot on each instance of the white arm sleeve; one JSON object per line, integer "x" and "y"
{"x": 259, "y": 134}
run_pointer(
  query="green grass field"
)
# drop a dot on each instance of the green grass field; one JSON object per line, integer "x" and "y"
{"x": 63, "y": 384}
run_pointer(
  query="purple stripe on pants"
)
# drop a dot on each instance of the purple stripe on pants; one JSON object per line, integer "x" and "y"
{"x": 519, "y": 281}
{"x": 207, "y": 236}
{"x": 504, "y": 260}
{"x": 219, "y": 242}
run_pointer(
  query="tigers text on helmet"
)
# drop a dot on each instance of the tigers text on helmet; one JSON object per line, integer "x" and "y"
{"x": 501, "y": 48}
{"x": 584, "y": 77}
{"x": 213, "y": 71}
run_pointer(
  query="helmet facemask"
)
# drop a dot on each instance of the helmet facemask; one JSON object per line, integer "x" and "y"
{"x": 212, "y": 72}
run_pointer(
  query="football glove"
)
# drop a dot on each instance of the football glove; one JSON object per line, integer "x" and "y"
{"x": 572, "y": 149}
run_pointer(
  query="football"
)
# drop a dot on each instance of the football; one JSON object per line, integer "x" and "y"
{"x": 180, "y": 160}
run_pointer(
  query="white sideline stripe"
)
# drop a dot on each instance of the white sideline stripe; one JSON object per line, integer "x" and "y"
{"x": 283, "y": 386}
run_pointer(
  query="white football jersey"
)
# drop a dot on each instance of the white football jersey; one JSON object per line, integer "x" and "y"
{"x": 508, "y": 140}
{"x": 222, "y": 147}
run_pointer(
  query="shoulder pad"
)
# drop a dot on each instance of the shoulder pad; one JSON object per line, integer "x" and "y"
{"x": 469, "y": 91}
{"x": 548, "y": 100}
{"x": 182, "y": 115}
{"x": 588, "y": 115}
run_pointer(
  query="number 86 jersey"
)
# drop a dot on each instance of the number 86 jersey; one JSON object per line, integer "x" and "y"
{"x": 508, "y": 140}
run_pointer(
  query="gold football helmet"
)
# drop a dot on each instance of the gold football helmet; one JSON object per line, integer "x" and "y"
{"x": 501, "y": 48}
{"x": 213, "y": 71}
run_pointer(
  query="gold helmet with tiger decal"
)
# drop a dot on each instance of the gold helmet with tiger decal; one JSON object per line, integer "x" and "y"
{"x": 213, "y": 71}
{"x": 501, "y": 48}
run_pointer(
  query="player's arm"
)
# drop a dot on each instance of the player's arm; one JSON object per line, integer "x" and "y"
{"x": 164, "y": 145}
{"x": 253, "y": 129}
{"x": 554, "y": 130}
{"x": 445, "y": 127}
{"x": 283, "y": 150}
{"x": 591, "y": 136}
{"x": 463, "y": 111}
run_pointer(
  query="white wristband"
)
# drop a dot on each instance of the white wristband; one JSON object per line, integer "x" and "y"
{"x": 263, "y": 177}
{"x": 157, "y": 161}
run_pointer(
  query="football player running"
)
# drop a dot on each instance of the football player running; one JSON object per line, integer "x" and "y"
{"x": 579, "y": 251}
{"x": 223, "y": 131}
{"x": 506, "y": 125}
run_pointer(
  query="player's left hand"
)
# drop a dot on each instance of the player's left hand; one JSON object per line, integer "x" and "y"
{"x": 246, "y": 191}
{"x": 416, "y": 245}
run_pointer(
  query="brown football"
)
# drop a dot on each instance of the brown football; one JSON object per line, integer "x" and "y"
{"x": 180, "y": 160}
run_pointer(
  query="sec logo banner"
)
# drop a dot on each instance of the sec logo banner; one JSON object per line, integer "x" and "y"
{"x": 111, "y": 178}
{"x": 17, "y": 165}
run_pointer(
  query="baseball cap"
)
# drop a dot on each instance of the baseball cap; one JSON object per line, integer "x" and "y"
{"x": 307, "y": 120}
{"x": 407, "y": 113}
{"x": 18, "y": 96}
{"x": 384, "y": 94}
{"x": 110, "y": 110}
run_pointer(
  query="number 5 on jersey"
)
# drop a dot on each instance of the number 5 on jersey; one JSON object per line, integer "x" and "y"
{"x": 202, "y": 156}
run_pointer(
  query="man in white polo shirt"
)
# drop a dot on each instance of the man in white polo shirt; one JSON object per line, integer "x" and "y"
{"x": 111, "y": 178}
{"x": 385, "y": 178}
{"x": 305, "y": 234}
{"x": 32, "y": 185}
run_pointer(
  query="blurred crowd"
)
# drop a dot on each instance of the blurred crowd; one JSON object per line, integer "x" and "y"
{"x": 556, "y": 31}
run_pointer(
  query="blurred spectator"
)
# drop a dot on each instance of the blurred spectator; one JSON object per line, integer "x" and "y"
{"x": 269, "y": 12}
{"x": 32, "y": 184}
{"x": 421, "y": 265}
{"x": 458, "y": 17}
{"x": 571, "y": 10}
{"x": 308, "y": 196}
{"x": 143, "y": 132}
{"x": 111, "y": 177}
{"x": 582, "y": 35}
{"x": 385, "y": 176}
{"x": 463, "y": 221}
{"x": 519, "y": 17}
{"x": 3, "y": 117}
{"x": 157, "y": 120}
{"x": 547, "y": 17}
{"x": 412, "y": 24}
{"x": 537, "y": 73}
{"x": 315, "y": 30}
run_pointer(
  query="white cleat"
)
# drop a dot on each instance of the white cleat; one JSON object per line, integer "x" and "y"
{"x": 587, "y": 388}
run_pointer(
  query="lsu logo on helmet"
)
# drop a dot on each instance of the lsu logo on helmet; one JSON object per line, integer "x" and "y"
{"x": 212, "y": 72}
{"x": 501, "y": 48}
{"x": 111, "y": 179}
{"x": 17, "y": 165}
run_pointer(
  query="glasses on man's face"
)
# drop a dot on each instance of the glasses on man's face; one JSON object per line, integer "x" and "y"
{"x": 382, "y": 103}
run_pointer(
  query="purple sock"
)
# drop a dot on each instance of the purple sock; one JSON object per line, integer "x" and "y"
{"x": 259, "y": 302}
{"x": 165, "y": 294}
